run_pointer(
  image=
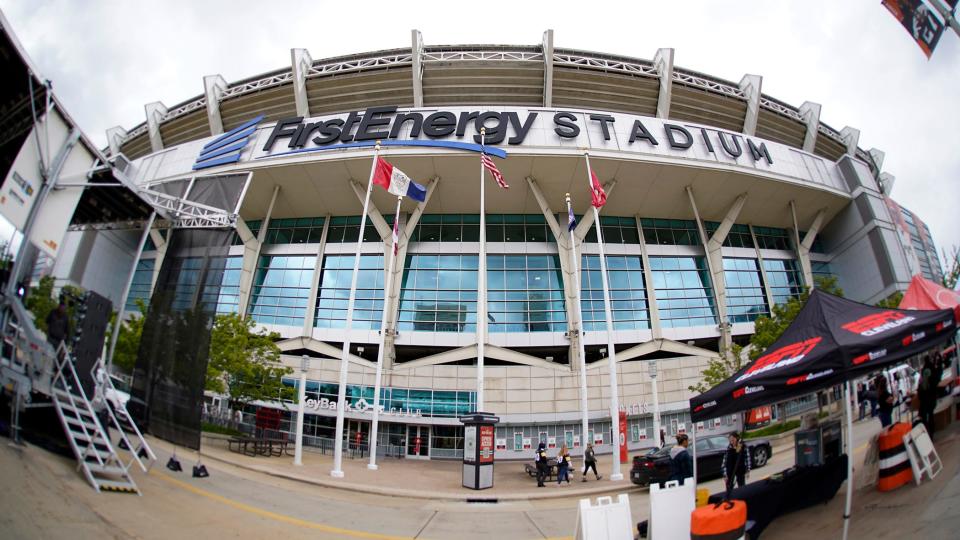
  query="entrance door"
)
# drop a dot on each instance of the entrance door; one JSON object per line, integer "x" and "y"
{"x": 418, "y": 442}
{"x": 357, "y": 431}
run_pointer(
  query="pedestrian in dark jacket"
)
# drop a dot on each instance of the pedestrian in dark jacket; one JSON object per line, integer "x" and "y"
{"x": 540, "y": 458}
{"x": 736, "y": 462}
{"x": 681, "y": 463}
{"x": 885, "y": 401}
{"x": 563, "y": 465}
{"x": 589, "y": 462}
{"x": 58, "y": 325}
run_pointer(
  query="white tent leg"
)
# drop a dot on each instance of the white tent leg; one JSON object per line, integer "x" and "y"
{"x": 849, "y": 444}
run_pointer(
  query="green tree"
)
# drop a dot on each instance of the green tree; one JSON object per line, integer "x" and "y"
{"x": 41, "y": 301}
{"x": 766, "y": 331}
{"x": 892, "y": 301}
{"x": 128, "y": 341}
{"x": 245, "y": 364}
{"x": 952, "y": 274}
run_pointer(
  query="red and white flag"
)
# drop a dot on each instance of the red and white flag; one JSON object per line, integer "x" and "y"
{"x": 598, "y": 197}
{"x": 492, "y": 167}
{"x": 395, "y": 181}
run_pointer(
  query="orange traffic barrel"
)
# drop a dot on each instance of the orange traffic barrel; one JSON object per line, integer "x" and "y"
{"x": 722, "y": 521}
{"x": 895, "y": 469}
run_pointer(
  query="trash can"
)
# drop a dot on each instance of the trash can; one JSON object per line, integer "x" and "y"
{"x": 478, "y": 448}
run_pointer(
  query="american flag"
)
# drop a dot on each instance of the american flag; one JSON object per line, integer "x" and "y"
{"x": 490, "y": 166}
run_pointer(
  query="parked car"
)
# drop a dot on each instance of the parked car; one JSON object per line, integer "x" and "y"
{"x": 654, "y": 466}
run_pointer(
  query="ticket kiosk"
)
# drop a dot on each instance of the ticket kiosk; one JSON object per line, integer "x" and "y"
{"x": 478, "y": 448}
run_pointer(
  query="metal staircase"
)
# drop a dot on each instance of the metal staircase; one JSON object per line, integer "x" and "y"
{"x": 95, "y": 454}
{"x": 130, "y": 439}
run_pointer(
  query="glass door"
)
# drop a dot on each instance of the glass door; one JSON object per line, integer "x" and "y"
{"x": 357, "y": 434}
{"x": 418, "y": 442}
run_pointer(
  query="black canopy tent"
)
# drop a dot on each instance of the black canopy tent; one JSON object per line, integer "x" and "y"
{"x": 832, "y": 341}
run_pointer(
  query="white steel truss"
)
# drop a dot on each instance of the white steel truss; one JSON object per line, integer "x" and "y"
{"x": 482, "y": 56}
{"x": 269, "y": 81}
{"x": 697, "y": 80}
{"x": 187, "y": 214}
{"x": 320, "y": 69}
{"x": 580, "y": 60}
{"x": 184, "y": 108}
{"x": 781, "y": 108}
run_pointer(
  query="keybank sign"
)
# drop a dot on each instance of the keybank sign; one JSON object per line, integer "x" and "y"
{"x": 460, "y": 129}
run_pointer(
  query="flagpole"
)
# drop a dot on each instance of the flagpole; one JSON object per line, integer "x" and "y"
{"x": 337, "y": 471}
{"x": 584, "y": 411}
{"x": 481, "y": 283}
{"x": 387, "y": 291}
{"x": 611, "y": 354}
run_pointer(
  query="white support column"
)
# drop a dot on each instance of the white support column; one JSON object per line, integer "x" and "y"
{"x": 568, "y": 265}
{"x": 751, "y": 84}
{"x": 663, "y": 61}
{"x": 767, "y": 293}
{"x": 653, "y": 310}
{"x": 251, "y": 252}
{"x": 161, "y": 244}
{"x": 851, "y": 137}
{"x": 548, "y": 68}
{"x": 392, "y": 302}
{"x": 154, "y": 111}
{"x": 886, "y": 182}
{"x": 301, "y": 410}
{"x": 301, "y": 62}
{"x": 114, "y": 136}
{"x": 713, "y": 247}
{"x": 315, "y": 284}
{"x": 213, "y": 87}
{"x": 379, "y": 223}
{"x": 877, "y": 155}
{"x": 810, "y": 112}
{"x": 806, "y": 243}
{"x": 416, "y": 49}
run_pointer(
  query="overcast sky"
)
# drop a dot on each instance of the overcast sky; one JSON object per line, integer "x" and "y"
{"x": 107, "y": 59}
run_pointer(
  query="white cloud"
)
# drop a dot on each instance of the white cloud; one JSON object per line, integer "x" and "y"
{"x": 107, "y": 59}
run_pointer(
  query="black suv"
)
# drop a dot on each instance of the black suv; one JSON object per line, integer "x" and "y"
{"x": 654, "y": 466}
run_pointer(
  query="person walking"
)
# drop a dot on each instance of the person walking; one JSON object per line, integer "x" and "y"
{"x": 58, "y": 325}
{"x": 736, "y": 462}
{"x": 885, "y": 401}
{"x": 540, "y": 459}
{"x": 681, "y": 463}
{"x": 590, "y": 462}
{"x": 563, "y": 465}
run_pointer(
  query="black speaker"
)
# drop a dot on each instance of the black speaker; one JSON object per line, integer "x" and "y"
{"x": 91, "y": 315}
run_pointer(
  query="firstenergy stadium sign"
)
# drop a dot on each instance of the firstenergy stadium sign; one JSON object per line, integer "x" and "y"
{"x": 461, "y": 129}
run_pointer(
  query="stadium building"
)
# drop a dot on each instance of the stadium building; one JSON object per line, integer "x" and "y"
{"x": 723, "y": 201}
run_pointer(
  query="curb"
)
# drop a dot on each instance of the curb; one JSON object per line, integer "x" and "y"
{"x": 408, "y": 493}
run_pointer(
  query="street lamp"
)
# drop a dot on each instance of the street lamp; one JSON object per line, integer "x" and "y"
{"x": 652, "y": 367}
{"x": 301, "y": 410}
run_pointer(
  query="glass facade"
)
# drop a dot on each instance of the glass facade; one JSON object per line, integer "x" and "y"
{"x": 627, "y": 292}
{"x": 225, "y": 272}
{"x": 518, "y": 228}
{"x": 188, "y": 281}
{"x": 443, "y": 403}
{"x": 447, "y": 228}
{"x": 346, "y": 229}
{"x": 334, "y": 294}
{"x": 439, "y": 293}
{"x": 773, "y": 238}
{"x": 280, "y": 289}
{"x": 670, "y": 232}
{"x": 140, "y": 287}
{"x": 525, "y": 294}
{"x": 745, "y": 298}
{"x": 739, "y": 235}
{"x": 290, "y": 230}
{"x": 821, "y": 270}
{"x": 785, "y": 279}
{"x": 616, "y": 230}
{"x": 684, "y": 291}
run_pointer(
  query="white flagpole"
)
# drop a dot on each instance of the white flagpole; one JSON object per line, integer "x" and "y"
{"x": 584, "y": 411}
{"x": 481, "y": 284}
{"x": 337, "y": 471}
{"x": 387, "y": 291}
{"x": 611, "y": 354}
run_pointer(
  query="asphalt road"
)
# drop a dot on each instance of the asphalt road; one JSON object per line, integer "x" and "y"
{"x": 45, "y": 497}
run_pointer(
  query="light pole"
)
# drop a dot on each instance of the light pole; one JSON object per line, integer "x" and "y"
{"x": 652, "y": 366}
{"x": 301, "y": 399}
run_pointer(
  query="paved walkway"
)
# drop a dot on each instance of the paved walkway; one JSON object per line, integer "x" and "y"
{"x": 419, "y": 479}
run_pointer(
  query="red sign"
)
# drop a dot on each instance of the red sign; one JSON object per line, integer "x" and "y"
{"x": 486, "y": 444}
{"x": 623, "y": 437}
{"x": 416, "y": 446}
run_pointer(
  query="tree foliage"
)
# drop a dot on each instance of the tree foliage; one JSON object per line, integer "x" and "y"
{"x": 245, "y": 364}
{"x": 892, "y": 301}
{"x": 41, "y": 301}
{"x": 767, "y": 330}
{"x": 128, "y": 341}
{"x": 952, "y": 273}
